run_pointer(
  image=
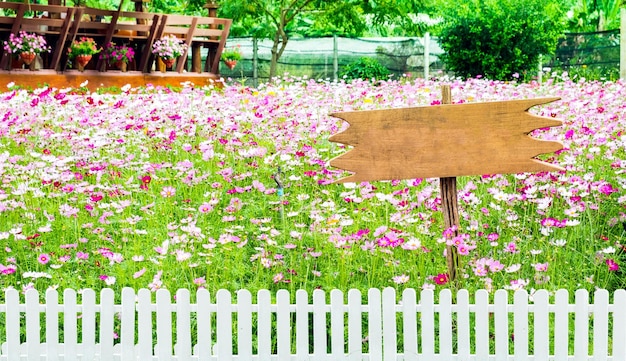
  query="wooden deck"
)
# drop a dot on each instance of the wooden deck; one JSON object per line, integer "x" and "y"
{"x": 96, "y": 79}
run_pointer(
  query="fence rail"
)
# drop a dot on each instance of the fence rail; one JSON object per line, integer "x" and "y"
{"x": 283, "y": 326}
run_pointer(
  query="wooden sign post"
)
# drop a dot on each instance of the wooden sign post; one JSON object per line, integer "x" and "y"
{"x": 445, "y": 141}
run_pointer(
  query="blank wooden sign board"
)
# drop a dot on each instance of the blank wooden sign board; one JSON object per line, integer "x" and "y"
{"x": 445, "y": 141}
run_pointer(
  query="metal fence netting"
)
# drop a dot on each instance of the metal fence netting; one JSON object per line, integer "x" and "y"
{"x": 315, "y": 57}
{"x": 595, "y": 53}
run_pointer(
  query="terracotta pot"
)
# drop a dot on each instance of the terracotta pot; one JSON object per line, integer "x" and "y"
{"x": 81, "y": 61}
{"x": 28, "y": 58}
{"x": 121, "y": 65}
{"x": 230, "y": 63}
{"x": 169, "y": 62}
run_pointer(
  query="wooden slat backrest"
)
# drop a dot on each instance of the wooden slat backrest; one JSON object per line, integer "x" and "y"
{"x": 204, "y": 31}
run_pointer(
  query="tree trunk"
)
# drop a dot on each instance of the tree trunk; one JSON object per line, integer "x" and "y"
{"x": 280, "y": 43}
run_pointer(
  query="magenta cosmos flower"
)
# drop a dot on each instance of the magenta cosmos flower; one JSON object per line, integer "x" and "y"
{"x": 43, "y": 258}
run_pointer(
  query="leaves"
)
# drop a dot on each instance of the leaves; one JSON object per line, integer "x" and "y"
{"x": 498, "y": 39}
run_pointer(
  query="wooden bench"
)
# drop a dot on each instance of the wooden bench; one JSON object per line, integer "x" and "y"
{"x": 137, "y": 29}
{"x": 197, "y": 32}
{"x": 55, "y": 24}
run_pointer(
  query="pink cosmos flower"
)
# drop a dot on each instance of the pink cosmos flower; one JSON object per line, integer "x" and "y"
{"x": 278, "y": 277}
{"x": 613, "y": 266}
{"x": 168, "y": 192}
{"x": 442, "y": 279}
{"x": 401, "y": 279}
{"x": 139, "y": 273}
{"x": 540, "y": 267}
{"x": 511, "y": 248}
{"x": 205, "y": 208}
{"x": 43, "y": 258}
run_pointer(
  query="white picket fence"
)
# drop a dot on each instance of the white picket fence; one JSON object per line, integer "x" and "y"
{"x": 536, "y": 328}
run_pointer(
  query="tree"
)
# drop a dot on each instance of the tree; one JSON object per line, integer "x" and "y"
{"x": 273, "y": 19}
{"x": 498, "y": 38}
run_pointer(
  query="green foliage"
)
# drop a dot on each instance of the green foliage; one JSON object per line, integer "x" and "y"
{"x": 365, "y": 68}
{"x": 595, "y": 15}
{"x": 498, "y": 38}
{"x": 388, "y": 13}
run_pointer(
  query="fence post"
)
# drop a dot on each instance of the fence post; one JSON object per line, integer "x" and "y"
{"x": 426, "y": 54}
{"x": 335, "y": 57}
{"x": 622, "y": 44}
{"x": 255, "y": 61}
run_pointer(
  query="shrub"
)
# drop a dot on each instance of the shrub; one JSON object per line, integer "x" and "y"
{"x": 365, "y": 68}
{"x": 499, "y": 38}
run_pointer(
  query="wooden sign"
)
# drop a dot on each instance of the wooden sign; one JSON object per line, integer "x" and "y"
{"x": 444, "y": 141}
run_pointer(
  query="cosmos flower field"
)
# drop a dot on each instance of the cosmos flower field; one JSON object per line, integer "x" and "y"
{"x": 231, "y": 188}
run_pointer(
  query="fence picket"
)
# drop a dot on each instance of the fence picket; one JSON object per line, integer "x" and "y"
{"x": 283, "y": 325}
{"x": 581, "y": 325}
{"x": 107, "y": 316}
{"x": 203, "y": 317}
{"x": 70, "y": 315}
{"x": 183, "y": 325}
{"x": 264, "y": 335}
{"x": 88, "y": 323}
{"x": 481, "y": 327}
{"x": 127, "y": 327}
{"x": 374, "y": 334}
{"x": 336, "y": 324}
{"x": 144, "y": 319}
{"x": 302, "y": 325}
{"x": 33, "y": 327}
{"x": 12, "y": 298}
{"x": 409, "y": 324}
{"x": 463, "y": 325}
{"x": 163, "y": 347}
{"x": 541, "y": 340}
{"x": 52, "y": 324}
{"x": 389, "y": 324}
{"x": 619, "y": 315}
{"x": 561, "y": 325}
{"x": 244, "y": 324}
{"x": 224, "y": 326}
{"x": 501, "y": 319}
{"x": 445, "y": 325}
{"x": 427, "y": 301}
{"x": 600, "y": 325}
{"x": 520, "y": 325}
{"x": 355, "y": 326}
{"x": 328, "y": 324}
{"x": 319, "y": 325}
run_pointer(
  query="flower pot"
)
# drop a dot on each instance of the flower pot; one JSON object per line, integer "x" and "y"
{"x": 28, "y": 58}
{"x": 169, "y": 62}
{"x": 230, "y": 63}
{"x": 81, "y": 61}
{"x": 121, "y": 65}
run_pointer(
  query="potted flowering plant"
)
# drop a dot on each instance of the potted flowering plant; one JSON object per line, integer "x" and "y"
{"x": 231, "y": 56}
{"x": 26, "y": 46}
{"x": 168, "y": 48}
{"x": 82, "y": 51}
{"x": 118, "y": 55}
